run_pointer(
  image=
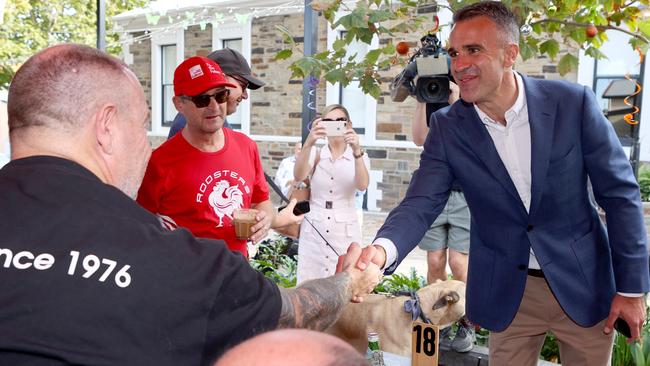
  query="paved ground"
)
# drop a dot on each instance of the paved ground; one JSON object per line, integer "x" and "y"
{"x": 417, "y": 258}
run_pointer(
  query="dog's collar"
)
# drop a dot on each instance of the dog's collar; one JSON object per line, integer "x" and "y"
{"x": 413, "y": 307}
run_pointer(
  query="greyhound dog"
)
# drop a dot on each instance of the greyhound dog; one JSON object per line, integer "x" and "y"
{"x": 442, "y": 302}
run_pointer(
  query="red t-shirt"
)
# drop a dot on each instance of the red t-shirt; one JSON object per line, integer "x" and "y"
{"x": 197, "y": 190}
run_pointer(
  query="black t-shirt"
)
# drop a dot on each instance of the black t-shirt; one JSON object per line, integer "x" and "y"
{"x": 88, "y": 277}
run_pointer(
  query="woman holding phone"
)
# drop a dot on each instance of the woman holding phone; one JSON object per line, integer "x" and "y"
{"x": 337, "y": 170}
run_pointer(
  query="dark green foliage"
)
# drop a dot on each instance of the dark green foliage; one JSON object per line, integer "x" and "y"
{"x": 274, "y": 262}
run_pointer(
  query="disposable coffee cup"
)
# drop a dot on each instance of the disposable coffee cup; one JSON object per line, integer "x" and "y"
{"x": 243, "y": 220}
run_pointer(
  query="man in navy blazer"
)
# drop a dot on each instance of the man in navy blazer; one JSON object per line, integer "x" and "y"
{"x": 523, "y": 151}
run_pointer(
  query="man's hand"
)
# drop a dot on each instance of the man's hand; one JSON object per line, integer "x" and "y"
{"x": 366, "y": 258}
{"x": 630, "y": 309}
{"x": 371, "y": 254}
{"x": 261, "y": 229}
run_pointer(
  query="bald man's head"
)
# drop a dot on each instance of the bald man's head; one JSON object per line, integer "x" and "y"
{"x": 61, "y": 85}
{"x": 81, "y": 104}
{"x": 293, "y": 347}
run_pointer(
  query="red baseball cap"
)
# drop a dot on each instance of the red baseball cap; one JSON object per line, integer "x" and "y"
{"x": 198, "y": 74}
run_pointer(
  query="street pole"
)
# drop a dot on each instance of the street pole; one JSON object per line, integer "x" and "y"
{"x": 101, "y": 25}
{"x": 309, "y": 84}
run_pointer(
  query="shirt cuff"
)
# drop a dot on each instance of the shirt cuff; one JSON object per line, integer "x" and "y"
{"x": 391, "y": 251}
{"x": 629, "y": 294}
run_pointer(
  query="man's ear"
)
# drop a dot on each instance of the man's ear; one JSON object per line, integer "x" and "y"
{"x": 178, "y": 103}
{"x": 105, "y": 123}
{"x": 510, "y": 55}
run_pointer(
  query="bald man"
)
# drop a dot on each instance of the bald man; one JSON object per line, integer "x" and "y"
{"x": 293, "y": 347}
{"x": 91, "y": 278}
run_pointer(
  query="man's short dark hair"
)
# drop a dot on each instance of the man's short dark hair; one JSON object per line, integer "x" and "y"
{"x": 497, "y": 12}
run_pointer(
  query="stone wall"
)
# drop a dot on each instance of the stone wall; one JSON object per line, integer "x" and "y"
{"x": 141, "y": 66}
{"x": 198, "y": 40}
{"x": 276, "y": 109}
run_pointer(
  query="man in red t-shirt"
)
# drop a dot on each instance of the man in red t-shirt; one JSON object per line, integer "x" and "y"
{"x": 198, "y": 178}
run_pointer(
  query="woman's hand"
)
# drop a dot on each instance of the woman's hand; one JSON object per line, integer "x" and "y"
{"x": 351, "y": 138}
{"x": 317, "y": 132}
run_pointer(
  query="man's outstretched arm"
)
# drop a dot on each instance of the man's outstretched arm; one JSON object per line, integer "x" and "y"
{"x": 317, "y": 304}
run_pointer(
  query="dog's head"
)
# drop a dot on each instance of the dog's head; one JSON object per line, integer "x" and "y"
{"x": 443, "y": 302}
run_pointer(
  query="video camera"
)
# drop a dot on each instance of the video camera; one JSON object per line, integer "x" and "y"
{"x": 430, "y": 64}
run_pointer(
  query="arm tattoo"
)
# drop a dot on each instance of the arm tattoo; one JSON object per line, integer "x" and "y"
{"x": 316, "y": 304}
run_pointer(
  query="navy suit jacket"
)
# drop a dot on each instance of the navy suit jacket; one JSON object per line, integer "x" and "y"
{"x": 571, "y": 140}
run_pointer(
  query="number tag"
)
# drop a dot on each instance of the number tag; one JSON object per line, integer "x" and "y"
{"x": 424, "y": 344}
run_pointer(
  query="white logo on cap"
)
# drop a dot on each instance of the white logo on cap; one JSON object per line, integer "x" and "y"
{"x": 196, "y": 71}
{"x": 213, "y": 70}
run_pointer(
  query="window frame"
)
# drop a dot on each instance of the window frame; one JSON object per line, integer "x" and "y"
{"x": 226, "y": 32}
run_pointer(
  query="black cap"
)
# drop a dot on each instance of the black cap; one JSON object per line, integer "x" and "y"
{"x": 233, "y": 63}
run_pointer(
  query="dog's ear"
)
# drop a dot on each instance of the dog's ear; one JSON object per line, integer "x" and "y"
{"x": 450, "y": 298}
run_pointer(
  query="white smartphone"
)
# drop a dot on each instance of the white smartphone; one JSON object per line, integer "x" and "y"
{"x": 334, "y": 128}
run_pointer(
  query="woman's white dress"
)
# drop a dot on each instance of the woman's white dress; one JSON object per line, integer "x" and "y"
{"x": 332, "y": 212}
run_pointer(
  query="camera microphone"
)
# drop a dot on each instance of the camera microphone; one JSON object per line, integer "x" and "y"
{"x": 399, "y": 90}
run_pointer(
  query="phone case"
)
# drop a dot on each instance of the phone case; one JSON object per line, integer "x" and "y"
{"x": 334, "y": 128}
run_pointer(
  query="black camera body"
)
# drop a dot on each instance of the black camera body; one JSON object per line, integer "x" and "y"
{"x": 430, "y": 64}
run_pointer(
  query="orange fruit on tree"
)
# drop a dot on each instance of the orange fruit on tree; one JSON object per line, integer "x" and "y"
{"x": 591, "y": 31}
{"x": 402, "y": 48}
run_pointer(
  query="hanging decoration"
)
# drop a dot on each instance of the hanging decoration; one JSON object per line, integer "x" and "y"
{"x": 210, "y": 14}
{"x": 629, "y": 118}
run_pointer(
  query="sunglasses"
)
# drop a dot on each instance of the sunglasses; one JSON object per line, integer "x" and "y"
{"x": 335, "y": 119}
{"x": 203, "y": 100}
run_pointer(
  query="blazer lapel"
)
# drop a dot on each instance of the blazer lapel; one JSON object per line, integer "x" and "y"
{"x": 481, "y": 142}
{"x": 541, "y": 116}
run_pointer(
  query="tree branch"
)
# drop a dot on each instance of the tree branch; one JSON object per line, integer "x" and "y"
{"x": 600, "y": 27}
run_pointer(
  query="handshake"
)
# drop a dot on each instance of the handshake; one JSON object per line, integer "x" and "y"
{"x": 363, "y": 266}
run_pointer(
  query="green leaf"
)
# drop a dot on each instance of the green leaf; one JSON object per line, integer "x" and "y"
{"x": 286, "y": 34}
{"x": 335, "y": 76}
{"x": 527, "y": 50}
{"x": 389, "y": 49}
{"x": 372, "y": 57}
{"x": 355, "y": 19}
{"x": 567, "y": 63}
{"x": 284, "y": 54}
{"x": 595, "y": 53}
{"x": 644, "y": 27}
{"x": 551, "y": 47}
{"x": 377, "y": 16}
{"x": 339, "y": 44}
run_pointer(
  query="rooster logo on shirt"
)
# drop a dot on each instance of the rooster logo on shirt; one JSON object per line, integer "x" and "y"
{"x": 225, "y": 199}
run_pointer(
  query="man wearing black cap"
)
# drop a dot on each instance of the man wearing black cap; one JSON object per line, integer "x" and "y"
{"x": 237, "y": 71}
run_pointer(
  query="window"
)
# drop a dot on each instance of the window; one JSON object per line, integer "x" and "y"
{"x": 168, "y": 53}
{"x": 235, "y": 119}
{"x": 238, "y": 37}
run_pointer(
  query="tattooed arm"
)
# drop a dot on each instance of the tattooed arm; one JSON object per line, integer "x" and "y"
{"x": 317, "y": 304}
